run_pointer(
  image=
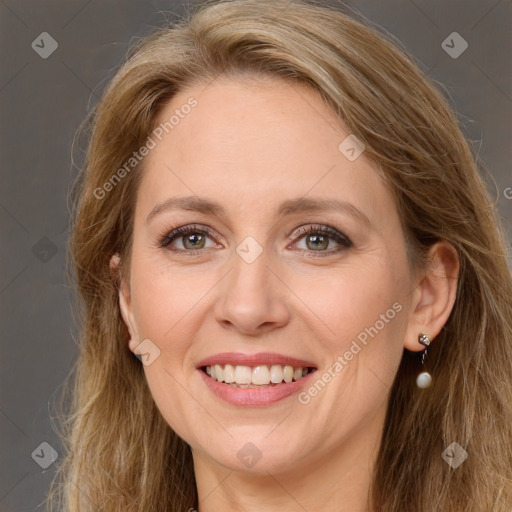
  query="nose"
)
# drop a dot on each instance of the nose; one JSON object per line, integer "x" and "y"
{"x": 252, "y": 298}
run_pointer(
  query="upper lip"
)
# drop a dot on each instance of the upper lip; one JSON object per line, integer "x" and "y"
{"x": 260, "y": 359}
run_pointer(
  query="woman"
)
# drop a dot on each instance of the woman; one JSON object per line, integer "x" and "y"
{"x": 280, "y": 217}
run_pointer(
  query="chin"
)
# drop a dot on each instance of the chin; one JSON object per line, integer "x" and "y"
{"x": 256, "y": 449}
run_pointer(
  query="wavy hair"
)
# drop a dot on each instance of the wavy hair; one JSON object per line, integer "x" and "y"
{"x": 120, "y": 454}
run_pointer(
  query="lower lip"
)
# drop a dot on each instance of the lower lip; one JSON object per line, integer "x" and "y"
{"x": 254, "y": 396}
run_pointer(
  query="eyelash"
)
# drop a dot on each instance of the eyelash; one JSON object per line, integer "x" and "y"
{"x": 332, "y": 233}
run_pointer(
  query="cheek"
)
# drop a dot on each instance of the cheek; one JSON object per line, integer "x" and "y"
{"x": 362, "y": 321}
{"x": 359, "y": 318}
{"x": 167, "y": 304}
{"x": 349, "y": 299}
{"x": 165, "y": 297}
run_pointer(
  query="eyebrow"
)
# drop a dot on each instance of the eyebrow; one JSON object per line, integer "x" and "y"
{"x": 298, "y": 205}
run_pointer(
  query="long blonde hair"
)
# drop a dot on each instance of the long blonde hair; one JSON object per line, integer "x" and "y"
{"x": 120, "y": 454}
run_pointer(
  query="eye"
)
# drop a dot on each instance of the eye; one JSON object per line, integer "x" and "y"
{"x": 193, "y": 239}
{"x": 318, "y": 237}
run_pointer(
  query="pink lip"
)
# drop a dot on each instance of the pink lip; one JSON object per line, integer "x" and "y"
{"x": 237, "y": 358}
{"x": 252, "y": 396}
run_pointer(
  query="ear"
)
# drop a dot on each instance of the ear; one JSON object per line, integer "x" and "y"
{"x": 125, "y": 303}
{"x": 434, "y": 296}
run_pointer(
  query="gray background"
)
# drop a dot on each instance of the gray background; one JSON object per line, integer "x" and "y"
{"x": 42, "y": 102}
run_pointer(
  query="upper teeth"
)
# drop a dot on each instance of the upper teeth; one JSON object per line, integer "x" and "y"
{"x": 259, "y": 375}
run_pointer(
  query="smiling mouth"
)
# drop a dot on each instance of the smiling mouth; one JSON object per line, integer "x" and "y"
{"x": 263, "y": 376}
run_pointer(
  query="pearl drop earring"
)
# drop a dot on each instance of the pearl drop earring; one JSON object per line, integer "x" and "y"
{"x": 424, "y": 379}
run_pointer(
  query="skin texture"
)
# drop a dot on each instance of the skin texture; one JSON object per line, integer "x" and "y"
{"x": 250, "y": 144}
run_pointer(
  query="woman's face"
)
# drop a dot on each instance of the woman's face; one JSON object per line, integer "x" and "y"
{"x": 261, "y": 293}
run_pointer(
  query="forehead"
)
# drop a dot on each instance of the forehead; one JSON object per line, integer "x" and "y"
{"x": 251, "y": 143}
